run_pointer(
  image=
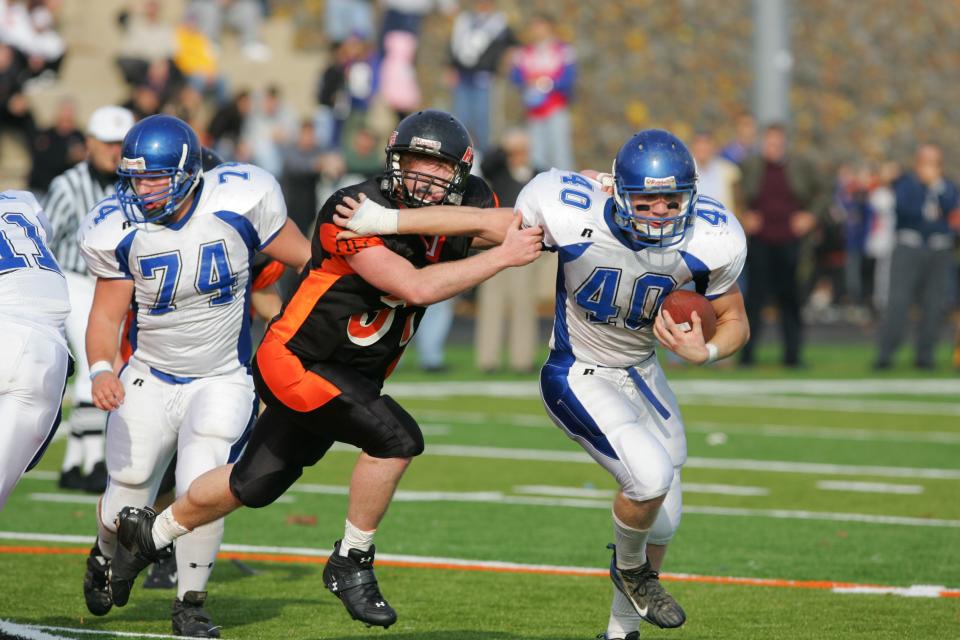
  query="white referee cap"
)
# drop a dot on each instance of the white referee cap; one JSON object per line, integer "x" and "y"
{"x": 110, "y": 123}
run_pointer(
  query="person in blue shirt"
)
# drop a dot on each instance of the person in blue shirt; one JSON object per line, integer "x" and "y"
{"x": 923, "y": 267}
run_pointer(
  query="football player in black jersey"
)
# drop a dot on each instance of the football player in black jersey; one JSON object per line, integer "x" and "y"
{"x": 320, "y": 368}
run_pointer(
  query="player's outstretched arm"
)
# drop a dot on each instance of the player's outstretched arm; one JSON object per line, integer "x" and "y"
{"x": 396, "y": 275}
{"x": 289, "y": 246}
{"x": 368, "y": 218}
{"x": 733, "y": 330}
{"x": 111, "y": 299}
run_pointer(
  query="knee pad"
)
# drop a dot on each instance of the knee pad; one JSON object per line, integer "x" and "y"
{"x": 401, "y": 436}
{"x": 668, "y": 518}
{"x": 648, "y": 481}
{"x": 264, "y": 489}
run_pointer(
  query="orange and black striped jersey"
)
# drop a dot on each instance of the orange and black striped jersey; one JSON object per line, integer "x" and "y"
{"x": 335, "y": 315}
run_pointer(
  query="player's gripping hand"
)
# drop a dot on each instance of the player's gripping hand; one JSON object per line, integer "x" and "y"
{"x": 689, "y": 345}
{"x": 520, "y": 246}
{"x": 365, "y": 218}
{"x": 107, "y": 391}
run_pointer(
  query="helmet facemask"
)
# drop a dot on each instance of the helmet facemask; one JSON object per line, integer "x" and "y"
{"x": 416, "y": 188}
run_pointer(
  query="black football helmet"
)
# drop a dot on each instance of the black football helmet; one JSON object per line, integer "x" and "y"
{"x": 428, "y": 133}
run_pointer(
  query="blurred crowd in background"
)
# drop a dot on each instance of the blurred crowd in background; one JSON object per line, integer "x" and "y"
{"x": 855, "y": 234}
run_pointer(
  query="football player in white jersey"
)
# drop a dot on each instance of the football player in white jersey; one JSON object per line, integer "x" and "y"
{"x": 176, "y": 244}
{"x": 625, "y": 240}
{"x": 34, "y": 305}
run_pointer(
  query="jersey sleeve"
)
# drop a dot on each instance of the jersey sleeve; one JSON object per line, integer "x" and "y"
{"x": 725, "y": 255}
{"x": 105, "y": 245}
{"x": 530, "y": 204}
{"x": 253, "y": 193}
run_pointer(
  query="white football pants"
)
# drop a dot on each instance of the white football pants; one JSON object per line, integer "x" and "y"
{"x": 33, "y": 374}
{"x": 205, "y": 422}
{"x": 628, "y": 421}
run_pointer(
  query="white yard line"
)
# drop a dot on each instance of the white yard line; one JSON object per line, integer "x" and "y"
{"x": 36, "y": 632}
{"x": 740, "y": 464}
{"x": 864, "y": 386}
{"x": 688, "y": 487}
{"x": 869, "y": 487}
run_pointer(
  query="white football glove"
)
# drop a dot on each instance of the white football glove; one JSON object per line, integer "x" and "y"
{"x": 373, "y": 219}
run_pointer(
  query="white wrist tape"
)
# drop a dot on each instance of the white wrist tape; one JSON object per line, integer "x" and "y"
{"x": 712, "y": 353}
{"x": 98, "y": 367}
{"x": 373, "y": 219}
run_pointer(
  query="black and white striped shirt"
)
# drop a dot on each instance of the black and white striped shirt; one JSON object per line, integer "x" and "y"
{"x": 72, "y": 194}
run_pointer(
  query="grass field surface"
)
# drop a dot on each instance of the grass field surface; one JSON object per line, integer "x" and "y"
{"x": 817, "y": 504}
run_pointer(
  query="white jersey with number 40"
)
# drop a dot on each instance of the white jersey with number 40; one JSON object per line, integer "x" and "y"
{"x": 192, "y": 278}
{"x": 608, "y": 290}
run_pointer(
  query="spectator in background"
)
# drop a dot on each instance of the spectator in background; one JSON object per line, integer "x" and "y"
{"x": 196, "y": 58}
{"x": 28, "y": 27}
{"x": 782, "y": 197}
{"x": 507, "y": 296}
{"x": 301, "y": 170}
{"x": 881, "y": 237}
{"x": 408, "y": 15}
{"x": 923, "y": 265}
{"x": 147, "y": 40}
{"x": 270, "y": 125}
{"x": 744, "y": 143}
{"x": 56, "y": 149}
{"x": 718, "y": 177}
{"x": 545, "y": 71}
{"x": 851, "y": 205}
{"x": 243, "y": 16}
{"x": 362, "y": 155}
{"x": 343, "y": 18}
{"x": 144, "y": 101}
{"x": 398, "y": 75}
{"x": 346, "y": 87}
{"x": 479, "y": 38}
{"x": 15, "y": 112}
{"x": 226, "y": 126}
{"x": 73, "y": 194}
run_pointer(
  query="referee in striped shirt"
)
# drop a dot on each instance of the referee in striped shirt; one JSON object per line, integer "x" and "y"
{"x": 72, "y": 194}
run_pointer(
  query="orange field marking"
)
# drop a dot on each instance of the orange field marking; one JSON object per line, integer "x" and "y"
{"x": 500, "y": 568}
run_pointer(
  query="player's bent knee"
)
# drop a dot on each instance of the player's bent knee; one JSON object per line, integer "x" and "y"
{"x": 650, "y": 482}
{"x": 404, "y": 440}
{"x": 263, "y": 490}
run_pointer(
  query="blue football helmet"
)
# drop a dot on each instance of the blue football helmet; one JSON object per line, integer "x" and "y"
{"x": 158, "y": 146}
{"x": 654, "y": 161}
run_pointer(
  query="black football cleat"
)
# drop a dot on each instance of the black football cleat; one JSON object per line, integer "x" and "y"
{"x": 96, "y": 481}
{"x": 135, "y": 550}
{"x": 642, "y": 587}
{"x": 633, "y": 635}
{"x": 72, "y": 478}
{"x": 162, "y": 574}
{"x": 96, "y": 587}
{"x": 190, "y": 619}
{"x": 352, "y": 580}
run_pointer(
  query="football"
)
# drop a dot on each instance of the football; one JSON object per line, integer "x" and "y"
{"x": 682, "y": 303}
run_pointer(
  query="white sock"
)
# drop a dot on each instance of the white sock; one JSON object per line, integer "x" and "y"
{"x": 354, "y": 538}
{"x": 166, "y": 529}
{"x": 92, "y": 451}
{"x": 631, "y": 544}
{"x": 623, "y": 617}
{"x": 106, "y": 536}
{"x": 74, "y": 455}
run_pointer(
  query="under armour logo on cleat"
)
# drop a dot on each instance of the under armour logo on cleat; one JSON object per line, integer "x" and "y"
{"x": 380, "y": 604}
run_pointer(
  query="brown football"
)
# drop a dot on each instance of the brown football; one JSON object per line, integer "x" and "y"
{"x": 682, "y": 303}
